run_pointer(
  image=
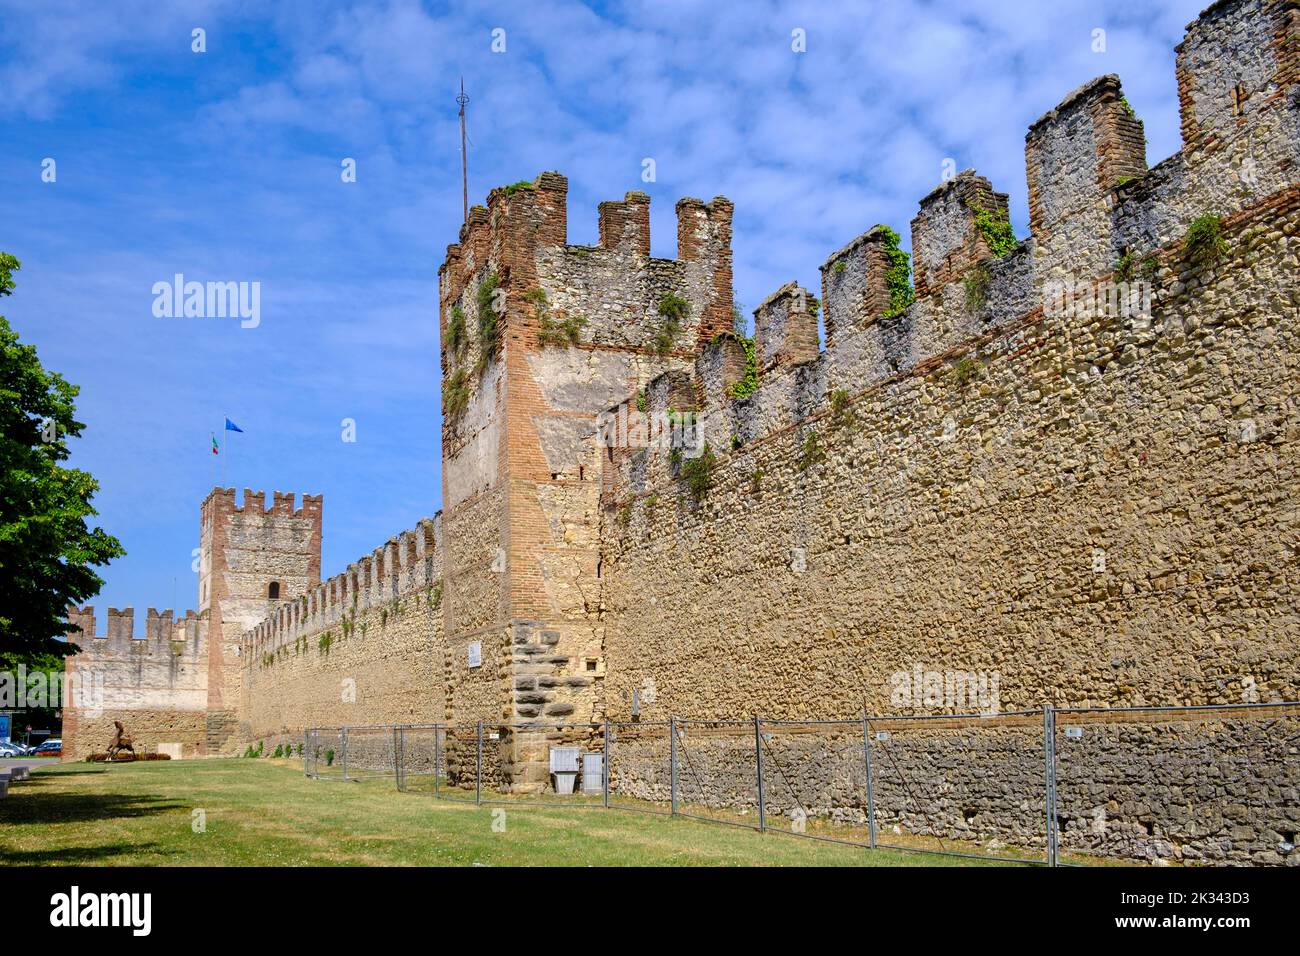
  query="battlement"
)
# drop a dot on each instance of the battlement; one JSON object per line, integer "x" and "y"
{"x": 405, "y": 564}
{"x": 1093, "y": 206}
{"x": 164, "y": 634}
{"x": 614, "y": 295}
{"x": 222, "y": 500}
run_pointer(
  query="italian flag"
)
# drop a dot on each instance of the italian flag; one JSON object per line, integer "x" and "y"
{"x": 215, "y": 448}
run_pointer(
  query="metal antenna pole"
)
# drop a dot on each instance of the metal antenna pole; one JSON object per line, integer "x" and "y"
{"x": 462, "y": 99}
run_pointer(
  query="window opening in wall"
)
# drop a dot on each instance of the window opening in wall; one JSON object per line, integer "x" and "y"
{"x": 273, "y": 592}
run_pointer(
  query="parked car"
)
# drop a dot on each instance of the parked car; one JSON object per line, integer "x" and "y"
{"x": 10, "y": 749}
{"x": 51, "y": 748}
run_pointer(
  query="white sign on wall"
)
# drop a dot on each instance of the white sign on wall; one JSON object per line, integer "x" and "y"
{"x": 475, "y": 654}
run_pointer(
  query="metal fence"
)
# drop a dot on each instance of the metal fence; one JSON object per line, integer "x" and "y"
{"x": 1177, "y": 785}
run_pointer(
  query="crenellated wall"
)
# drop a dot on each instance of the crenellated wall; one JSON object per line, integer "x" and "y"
{"x": 156, "y": 685}
{"x": 1092, "y": 503}
{"x": 363, "y": 647}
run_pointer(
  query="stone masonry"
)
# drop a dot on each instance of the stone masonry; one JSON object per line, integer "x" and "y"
{"x": 1017, "y": 473}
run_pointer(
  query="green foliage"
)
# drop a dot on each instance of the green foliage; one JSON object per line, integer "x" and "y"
{"x": 966, "y": 371}
{"x": 811, "y": 453}
{"x": 326, "y": 640}
{"x": 842, "y": 413}
{"x": 435, "y": 594}
{"x": 1128, "y": 107}
{"x": 1150, "y": 268}
{"x": 641, "y": 401}
{"x": 489, "y": 328}
{"x": 812, "y": 306}
{"x": 47, "y": 549}
{"x": 521, "y": 186}
{"x": 748, "y": 383}
{"x": 279, "y": 750}
{"x": 625, "y": 515}
{"x": 455, "y": 395}
{"x": 976, "y": 285}
{"x": 457, "y": 340}
{"x": 329, "y": 758}
{"x": 738, "y": 323}
{"x": 300, "y": 750}
{"x": 756, "y": 482}
{"x": 1204, "y": 240}
{"x": 1124, "y": 267}
{"x": 840, "y": 267}
{"x": 561, "y": 332}
{"x": 898, "y": 274}
{"x": 698, "y": 472}
{"x": 674, "y": 310}
{"x": 997, "y": 232}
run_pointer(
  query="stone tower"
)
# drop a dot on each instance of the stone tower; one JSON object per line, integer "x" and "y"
{"x": 538, "y": 337}
{"x": 250, "y": 560}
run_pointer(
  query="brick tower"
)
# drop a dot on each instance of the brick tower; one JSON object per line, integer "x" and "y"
{"x": 538, "y": 338}
{"x": 251, "y": 560}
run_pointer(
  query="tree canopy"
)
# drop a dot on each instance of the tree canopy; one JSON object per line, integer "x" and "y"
{"x": 47, "y": 549}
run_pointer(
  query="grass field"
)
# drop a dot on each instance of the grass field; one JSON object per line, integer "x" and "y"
{"x": 266, "y": 813}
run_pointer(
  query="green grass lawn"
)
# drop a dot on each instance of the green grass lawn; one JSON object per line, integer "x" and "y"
{"x": 266, "y": 813}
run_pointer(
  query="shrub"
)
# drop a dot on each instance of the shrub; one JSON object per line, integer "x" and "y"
{"x": 455, "y": 395}
{"x": 997, "y": 232}
{"x": 329, "y": 758}
{"x": 966, "y": 371}
{"x": 489, "y": 331}
{"x": 842, "y": 412}
{"x": 748, "y": 383}
{"x": 811, "y": 453}
{"x": 698, "y": 472}
{"x": 457, "y": 340}
{"x": 1204, "y": 240}
{"x": 674, "y": 310}
{"x": 521, "y": 186}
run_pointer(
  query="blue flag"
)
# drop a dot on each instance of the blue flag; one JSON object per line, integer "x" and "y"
{"x": 232, "y": 427}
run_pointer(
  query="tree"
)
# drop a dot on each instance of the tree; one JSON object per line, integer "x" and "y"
{"x": 47, "y": 550}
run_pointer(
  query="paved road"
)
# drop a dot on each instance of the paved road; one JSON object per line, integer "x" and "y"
{"x": 32, "y": 762}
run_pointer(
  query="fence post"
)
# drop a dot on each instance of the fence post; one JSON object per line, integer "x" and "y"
{"x": 397, "y": 756}
{"x": 1049, "y": 769}
{"x": 758, "y": 765}
{"x": 344, "y": 747}
{"x": 437, "y": 758}
{"x": 478, "y": 765}
{"x": 672, "y": 763}
{"x": 605, "y": 762}
{"x": 871, "y": 797}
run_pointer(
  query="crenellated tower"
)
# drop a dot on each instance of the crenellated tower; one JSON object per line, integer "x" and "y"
{"x": 539, "y": 336}
{"x": 251, "y": 560}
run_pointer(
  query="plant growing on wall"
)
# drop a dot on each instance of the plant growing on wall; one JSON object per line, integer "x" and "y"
{"x": 1204, "y": 240}
{"x": 323, "y": 645}
{"x": 748, "y": 382}
{"x": 521, "y": 186}
{"x": 455, "y": 395}
{"x": 674, "y": 310}
{"x": 562, "y": 331}
{"x": 966, "y": 371}
{"x": 976, "y": 285}
{"x": 489, "y": 331}
{"x": 898, "y": 274}
{"x": 811, "y": 452}
{"x": 997, "y": 232}
{"x": 698, "y": 472}
{"x": 842, "y": 413}
{"x": 457, "y": 340}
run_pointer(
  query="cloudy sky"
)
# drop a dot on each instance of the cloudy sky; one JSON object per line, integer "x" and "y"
{"x": 225, "y": 165}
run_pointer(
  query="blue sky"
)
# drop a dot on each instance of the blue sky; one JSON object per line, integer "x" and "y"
{"x": 225, "y": 166}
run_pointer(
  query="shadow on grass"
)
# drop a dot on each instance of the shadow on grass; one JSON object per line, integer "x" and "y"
{"x": 81, "y": 808}
{"x": 83, "y": 855}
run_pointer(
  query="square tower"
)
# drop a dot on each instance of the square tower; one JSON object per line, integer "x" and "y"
{"x": 250, "y": 560}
